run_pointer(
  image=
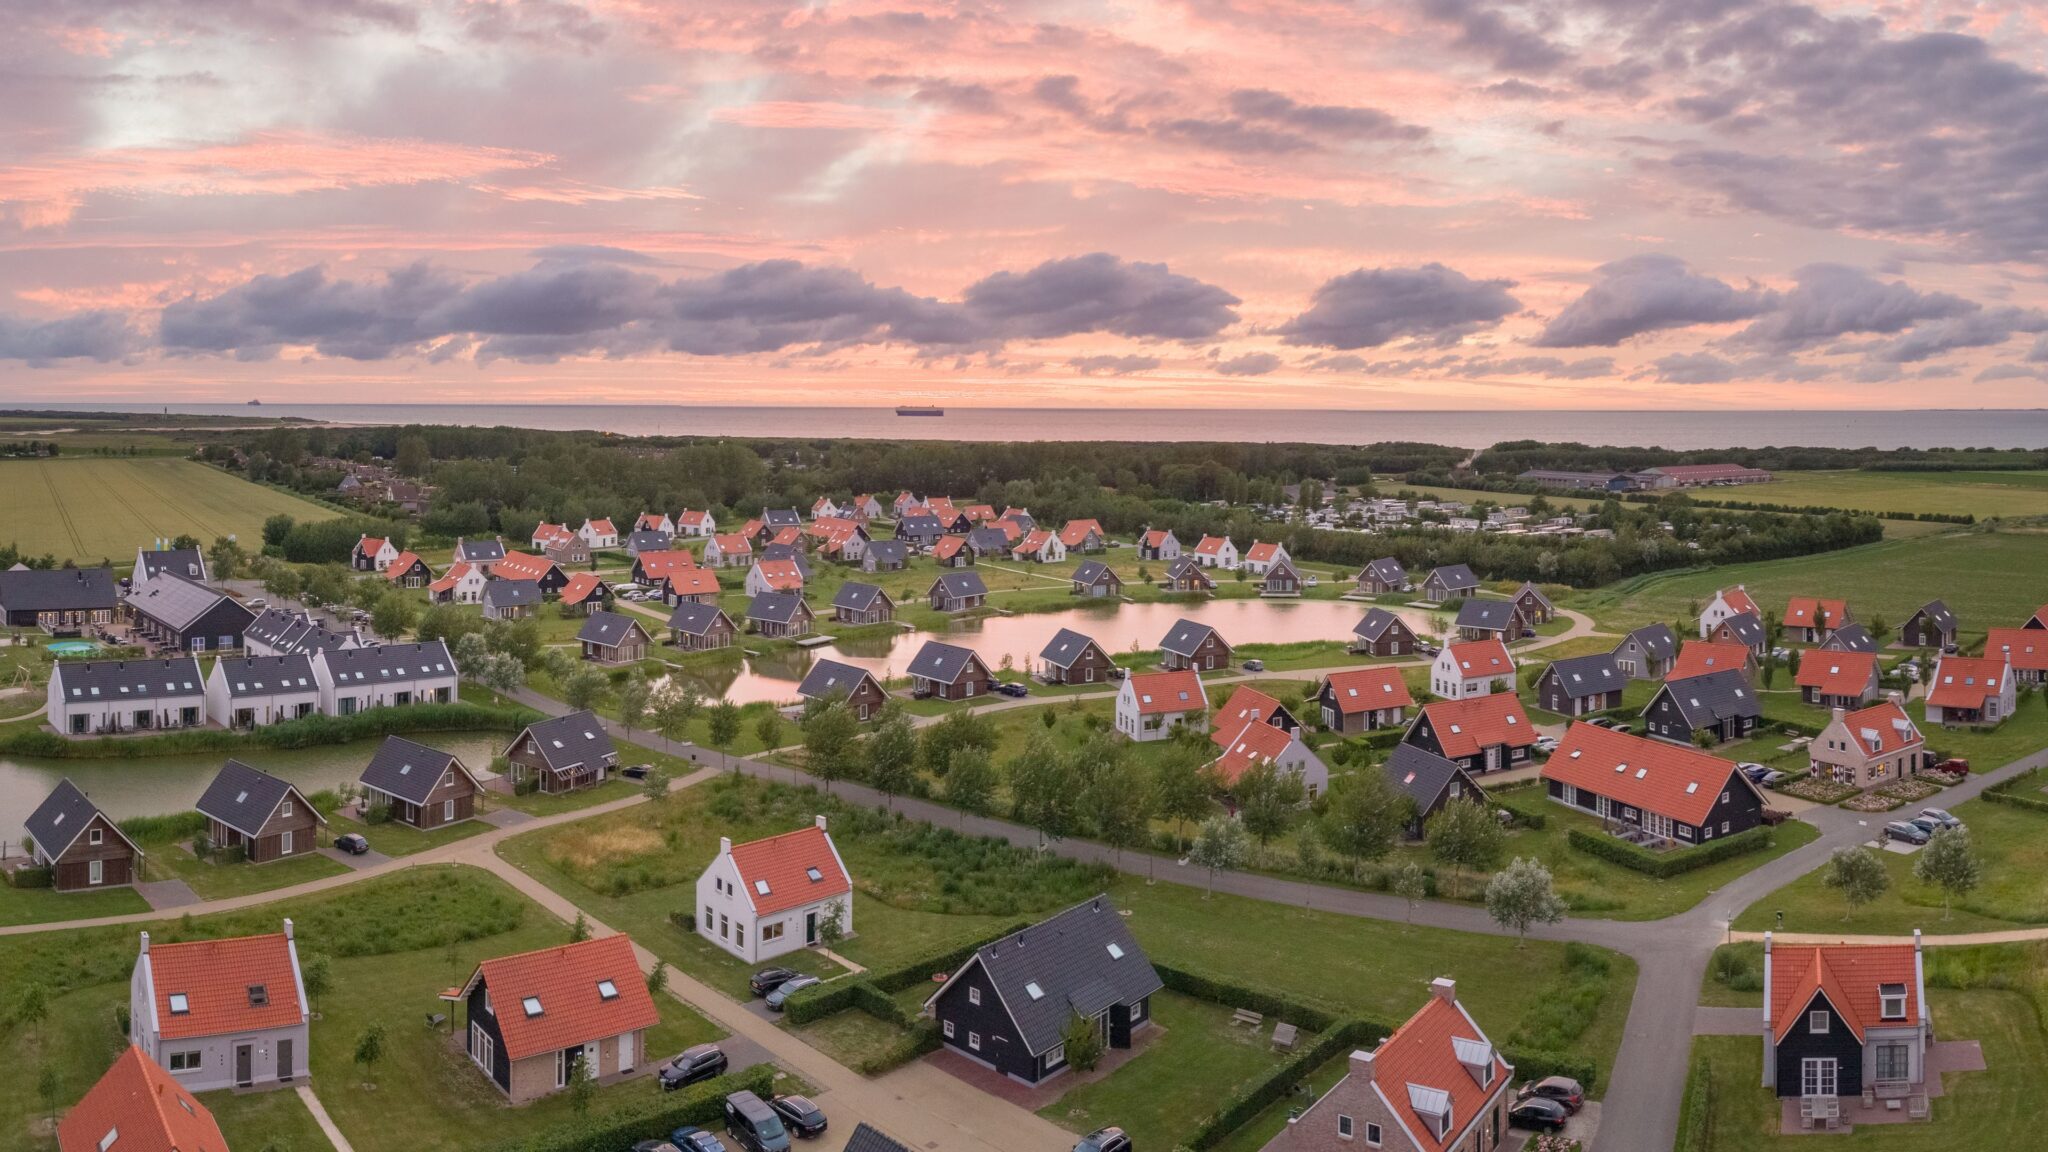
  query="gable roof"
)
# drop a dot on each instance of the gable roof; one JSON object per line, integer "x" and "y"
{"x": 1036, "y": 541}
{"x": 1164, "y": 693}
{"x": 1653, "y": 775}
{"x": 732, "y": 544}
{"x": 1837, "y": 673}
{"x": 1247, "y": 705}
{"x": 1809, "y": 612}
{"x": 1211, "y": 545}
{"x": 290, "y": 631}
{"x": 666, "y": 562}
{"x": 1185, "y": 568}
{"x": 56, "y": 589}
{"x": 113, "y": 681}
{"x": 523, "y": 566}
{"x": 403, "y": 566}
{"x": 1965, "y": 681}
{"x": 692, "y": 582}
{"x": 1262, "y": 552}
{"x": 1747, "y": 627}
{"x": 565, "y": 742}
{"x": 548, "y": 535}
{"x": 1422, "y": 1063}
{"x": 582, "y": 586}
{"x": 1090, "y": 572}
{"x": 367, "y": 545}
{"x": 778, "y": 873}
{"x": 887, "y": 551}
{"x": 1494, "y": 615}
{"x": 1851, "y": 637}
{"x": 863, "y": 1139}
{"x": 828, "y": 678}
{"x": 1076, "y": 532}
{"x": 855, "y": 596}
{"x": 1067, "y": 646}
{"x": 442, "y": 583}
{"x": 1157, "y": 537}
{"x": 1529, "y": 588}
{"x": 777, "y": 607}
{"x": 1475, "y": 658}
{"x": 1470, "y": 726}
{"x": 1081, "y": 961}
{"x": 243, "y": 798}
{"x": 2026, "y": 648}
{"x": 1386, "y": 570}
{"x": 1709, "y": 698}
{"x": 781, "y": 575}
{"x": 1737, "y": 599}
{"x": 1938, "y": 614}
{"x": 1367, "y": 690}
{"x": 488, "y": 551}
{"x": 385, "y": 663}
{"x": 1186, "y": 637}
{"x": 944, "y": 663}
{"x": 1376, "y": 623}
{"x": 602, "y": 526}
{"x": 410, "y": 770}
{"x": 1699, "y": 657}
{"x": 694, "y": 619}
{"x": 948, "y": 547}
{"x": 1582, "y": 676}
{"x": 1655, "y": 639}
{"x": 511, "y": 593}
{"x": 177, "y": 602}
{"x": 1851, "y": 976}
{"x": 139, "y": 1107}
{"x": 960, "y": 585}
{"x": 215, "y": 977}
{"x": 1882, "y": 729}
{"x": 609, "y": 629}
{"x": 186, "y": 562}
{"x": 562, "y": 983}
{"x": 1454, "y": 576}
{"x": 1248, "y": 745}
{"x": 247, "y": 676}
{"x": 1422, "y": 774}
{"x": 63, "y": 814}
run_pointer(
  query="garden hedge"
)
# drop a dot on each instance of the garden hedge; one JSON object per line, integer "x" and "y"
{"x": 650, "y": 1117}
{"x": 1243, "y": 1106}
{"x": 1232, "y": 994}
{"x": 307, "y": 733}
{"x": 2008, "y": 793}
{"x": 1669, "y": 864}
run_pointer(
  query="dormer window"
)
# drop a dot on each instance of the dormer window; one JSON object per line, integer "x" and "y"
{"x": 1433, "y": 1105}
{"x": 1891, "y": 999}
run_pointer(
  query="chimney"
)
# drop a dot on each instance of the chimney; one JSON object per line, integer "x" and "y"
{"x": 821, "y": 821}
{"x": 1361, "y": 1064}
{"x": 1895, "y": 696}
{"x": 1444, "y": 988}
{"x": 1838, "y": 712}
{"x": 725, "y": 845}
{"x": 288, "y": 929}
{"x": 1916, "y": 941}
{"x": 145, "y": 943}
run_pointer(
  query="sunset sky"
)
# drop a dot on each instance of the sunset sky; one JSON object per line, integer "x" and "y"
{"x": 1401, "y": 204}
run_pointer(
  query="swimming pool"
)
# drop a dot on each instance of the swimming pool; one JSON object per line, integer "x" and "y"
{"x": 73, "y": 647}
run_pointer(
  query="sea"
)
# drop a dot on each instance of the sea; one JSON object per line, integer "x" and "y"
{"x": 1469, "y": 428}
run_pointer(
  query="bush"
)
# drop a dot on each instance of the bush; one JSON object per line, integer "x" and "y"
{"x": 377, "y": 814}
{"x": 2014, "y": 792}
{"x": 651, "y": 1117}
{"x": 687, "y": 921}
{"x": 31, "y": 878}
{"x": 871, "y": 991}
{"x": 1665, "y": 865}
{"x": 1739, "y": 969}
{"x": 1535, "y": 1064}
{"x": 1531, "y": 818}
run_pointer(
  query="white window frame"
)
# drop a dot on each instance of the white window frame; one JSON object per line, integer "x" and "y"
{"x": 483, "y": 1051}
{"x": 949, "y": 1029}
{"x": 974, "y": 995}
{"x": 1818, "y": 1022}
{"x": 190, "y": 1060}
{"x": 1373, "y": 1134}
{"x": 95, "y": 835}
{"x": 974, "y": 1041}
{"x": 284, "y": 842}
{"x": 95, "y": 872}
{"x": 447, "y": 810}
{"x": 1344, "y": 1127}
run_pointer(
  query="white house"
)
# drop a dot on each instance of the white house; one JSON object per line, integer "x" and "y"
{"x": 463, "y": 583}
{"x": 1258, "y": 743}
{"x": 655, "y": 522}
{"x": 1150, "y": 705}
{"x": 252, "y": 691}
{"x": 599, "y": 534}
{"x": 372, "y": 554}
{"x": 688, "y": 523}
{"x": 1726, "y": 602}
{"x": 222, "y": 1013}
{"x": 100, "y": 697}
{"x": 1475, "y": 668}
{"x": 728, "y": 550}
{"x": 356, "y": 680}
{"x": 1970, "y": 690}
{"x": 1260, "y": 557}
{"x": 761, "y": 899}
{"x": 1215, "y": 552}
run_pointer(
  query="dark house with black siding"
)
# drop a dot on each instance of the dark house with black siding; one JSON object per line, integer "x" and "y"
{"x": 1678, "y": 795}
{"x": 1720, "y": 704}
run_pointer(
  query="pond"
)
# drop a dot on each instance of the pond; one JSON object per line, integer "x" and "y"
{"x": 164, "y": 784}
{"x": 1118, "y": 627}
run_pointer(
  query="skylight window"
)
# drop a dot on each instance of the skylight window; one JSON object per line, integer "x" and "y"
{"x": 258, "y": 995}
{"x": 814, "y": 874}
{"x": 606, "y": 990}
{"x": 761, "y": 886}
{"x": 1034, "y": 991}
{"x": 180, "y": 1005}
{"x": 532, "y": 1006}
{"x": 1116, "y": 951}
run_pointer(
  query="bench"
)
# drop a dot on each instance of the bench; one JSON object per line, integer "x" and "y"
{"x": 1283, "y": 1036}
{"x": 1247, "y": 1017}
{"x": 436, "y": 1019}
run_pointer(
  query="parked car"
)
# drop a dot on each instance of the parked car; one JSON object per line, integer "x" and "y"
{"x": 1756, "y": 772}
{"x": 781, "y": 995}
{"x": 769, "y": 979}
{"x": 1427, "y": 648}
{"x": 1606, "y": 722}
{"x": 1562, "y": 1090}
{"x": 799, "y": 1115}
{"x": 1312, "y": 581}
{"x": 701, "y": 1062}
{"x": 1928, "y": 824}
{"x": 655, "y": 1146}
{"x": 1941, "y": 817}
{"x": 1952, "y": 766}
{"x": 1104, "y": 1140}
{"x": 1772, "y": 778}
{"x": 1013, "y": 689}
{"x": 1538, "y": 1114}
{"x": 690, "y": 1138}
{"x": 256, "y": 602}
{"x": 1546, "y": 744}
{"x": 636, "y": 771}
{"x": 754, "y": 1126}
{"x": 1782, "y": 653}
{"x": 352, "y": 843}
{"x": 1906, "y": 832}
{"x": 1255, "y": 665}
{"x": 1117, "y": 673}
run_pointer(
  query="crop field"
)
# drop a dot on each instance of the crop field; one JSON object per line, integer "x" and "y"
{"x": 87, "y": 509}
{"x": 1981, "y": 494}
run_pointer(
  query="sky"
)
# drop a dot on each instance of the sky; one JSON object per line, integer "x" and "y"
{"x": 1674, "y": 204}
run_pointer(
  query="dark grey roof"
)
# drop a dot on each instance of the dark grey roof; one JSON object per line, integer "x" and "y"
{"x": 1582, "y": 676}
{"x": 511, "y": 593}
{"x": 607, "y": 628}
{"x": 1938, "y": 613}
{"x": 1748, "y": 628}
{"x": 61, "y": 816}
{"x": 1422, "y": 774}
{"x": 832, "y": 678}
{"x": 409, "y": 770}
{"x": 1455, "y": 576}
{"x": 176, "y": 602}
{"x": 1185, "y": 565}
{"x": 887, "y": 551}
{"x": 243, "y": 798}
{"x": 866, "y": 1139}
{"x": 921, "y": 525}
{"x": 649, "y": 540}
{"x": 942, "y": 662}
{"x": 987, "y": 539}
{"x": 1068, "y": 958}
{"x": 696, "y": 619}
{"x": 1092, "y": 572}
{"x": 775, "y": 607}
{"x": 1497, "y": 615}
{"x": 781, "y": 518}
{"x": 91, "y": 681}
{"x": 267, "y": 675}
{"x": 1529, "y": 588}
{"x": 567, "y": 741}
{"x": 855, "y": 596}
{"x": 56, "y": 589}
{"x": 1655, "y": 639}
{"x": 186, "y": 562}
{"x": 1020, "y": 518}
{"x": 1387, "y": 570}
{"x": 1186, "y": 636}
{"x": 1065, "y": 647}
{"x": 1851, "y": 637}
{"x": 488, "y": 551}
{"x": 290, "y": 631}
{"x": 1710, "y": 698}
{"x": 961, "y": 584}
{"x": 385, "y": 663}
{"x": 1375, "y": 624}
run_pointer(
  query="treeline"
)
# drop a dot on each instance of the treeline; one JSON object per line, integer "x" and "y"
{"x": 326, "y": 541}
{"x": 1667, "y": 497}
{"x": 1513, "y": 457}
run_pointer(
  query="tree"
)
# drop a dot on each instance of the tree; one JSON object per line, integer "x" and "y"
{"x": 582, "y": 1086}
{"x": 892, "y": 754}
{"x": 654, "y": 784}
{"x": 1364, "y": 816}
{"x": 1411, "y": 884}
{"x": 1269, "y": 797}
{"x": 971, "y": 785}
{"x": 831, "y": 743}
{"x": 502, "y": 673}
{"x": 768, "y": 729}
{"x": 275, "y": 529}
{"x": 370, "y": 1048}
{"x": 673, "y": 708}
{"x": 580, "y": 930}
{"x": 317, "y": 976}
{"x": 1950, "y": 863}
{"x": 634, "y": 695}
{"x": 957, "y": 731}
{"x": 1081, "y": 1038}
{"x": 583, "y": 688}
{"x": 32, "y": 1005}
{"x": 413, "y": 457}
{"x": 470, "y": 650}
{"x": 1857, "y": 874}
{"x": 392, "y": 616}
{"x": 1520, "y": 895}
{"x": 657, "y": 978}
{"x": 1463, "y": 834}
{"x": 831, "y": 925}
{"x": 50, "y": 1089}
{"x": 1181, "y": 788}
{"x": 224, "y": 559}
{"x": 1220, "y": 843}
{"x": 1119, "y": 802}
{"x": 1042, "y": 788}
{"x": 722, "y": 727}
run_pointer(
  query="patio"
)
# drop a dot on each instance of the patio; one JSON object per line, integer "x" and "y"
{"x": 1799, "y": 1115}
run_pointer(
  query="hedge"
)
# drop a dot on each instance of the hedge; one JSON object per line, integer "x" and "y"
{"x": 1666, "y": 865}
{"x": 1535, "y": 1063}
{"x": 307, "y": 733}
{"x": 650, "y": 1117}
{"x": 1242, "y": 1107}
{"x": 2008, "y": 793}
{"x": 31, "y": 878}
{"x": 1231, "y": 994}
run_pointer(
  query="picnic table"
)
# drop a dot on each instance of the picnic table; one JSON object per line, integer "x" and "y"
{"x": 1284, "y": 1035}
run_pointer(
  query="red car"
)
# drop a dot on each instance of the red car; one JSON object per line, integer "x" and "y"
{"x": 1559, "y": 1089}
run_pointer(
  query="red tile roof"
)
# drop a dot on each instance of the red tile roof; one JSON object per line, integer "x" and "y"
{"x": 979, "y": 512}
{"x": 1247, "y": 746}
{"x": 1470, "y": 726}
{"x": 1738, "y": 601}
{"x": 693, "y": 582}
{"x": 1421, "y": 1053}
{"x": 523, "y": 566}
{"x": 1837, "y": 673}
{"x": 784, "y": 864}
{"x": 1012, "y": 531}
{"x": 371, "y": 545}
{"x": 1850, "y": 975}
{"x": 947, "y": 546}
{"x": 2027, "y": 648}
{"x": 789, "y": 535}
{"x": 1369, "y": 690}
{"x": 1882, "y": 729}
{"x": 1035, "y": 543}
{"x": 686, "y": 516}
{"x": 215, "y": 976}
{"x": 1476, "y": 658}
{"x": 455, "y": 573}
{"x": 1159, "y": 693}
{"x": 564, "y": 981}
{"x": 649, "y": 520}
{"x": 1699, "y": 657}
{"x": 734, "y": 543}
{"x": 401, "y": 566}
{"x": 1807, "y": 612}
{"x": 1157, "y": 537}
{"x": 1261, "y": 553}
{"x": 147, "y": 1109}
{"x": 655, "y": 565}
{"x": 1246, "y": 705}
{"x": 1653, "y": 775}
{"x": 1965, "y": 681}
{"x": 1211, "y": 545}
{"x": 602, "y": 527}
{"x": 751, "y": 528}
{"x": 1076, "y": 532}
{"x": 781, "y": 575}
{"x": 548, "y": 535}
{"x": 581, "y": 587}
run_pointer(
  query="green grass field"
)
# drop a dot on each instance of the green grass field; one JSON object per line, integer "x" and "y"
{"x": 1980, "y": 494}
{"x": 89, "y": 509}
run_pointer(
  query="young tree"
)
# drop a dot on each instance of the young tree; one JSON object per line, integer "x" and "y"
{"x": 392, "y": 615}
{"x": 655, "y": 784}
{"x": 1082, "y": 1038}
{"x": 580, "y": 930}
{"x": 583, "y": 688}
{"x": 470, "y": 651}
{"x": 1858, "y": 875}
{"x": 1520, "y": 895}
{"x": 1042, "y": 788}
{"x": 957, "y": 731}
{"x": 892, "y": 754}
{"x": 582, "y": 1086}
{"x": 1463, "y": 834}
{"x": 224, "y": 559}
{"x": 657, "y": 978}
{"x": 1119, "y": 803}
{"x": 32, "y": 1005}
{"x": 1411, "y": 884}
{"x": 971, "y": 785}
{"x": 831, "y": 744}
{"x": 768, "y": 729}
{"x": 1364, "y": 816}
{"x": 673, "y": 708}
{"x": 1950, "y": 863}
{"x": 50, "y": 1088}
{"x": 317, "y": 976}
{"x": 722, "y": 728}
{"x": 1220, "y": 843}
{"x": 1181, "y": 788}
{"x": 634, "y": 697}
{"x": 370, "y": 1049}
{"x": 502, "y": 674}
{"x": 1269, "y": 798}
{"x": 831, "y": 925}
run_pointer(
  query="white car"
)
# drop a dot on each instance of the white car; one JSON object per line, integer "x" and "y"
{"x": 1546, "y": 744}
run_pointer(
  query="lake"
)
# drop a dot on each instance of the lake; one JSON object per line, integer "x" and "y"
{"x": 1117, "y": 626}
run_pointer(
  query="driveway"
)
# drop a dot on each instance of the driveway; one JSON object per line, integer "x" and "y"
{"x": 163, "y": 895}
{"x": 362, "y": 863}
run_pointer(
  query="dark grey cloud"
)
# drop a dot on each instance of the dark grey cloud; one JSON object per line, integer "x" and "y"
{"x": 1694, "y": 368}
{"x": 1649, "y": 293}
{"x": 1099, "y": 293}
{"x": 1983, "y": 328}
{"x": 1254, "y": 121}
{"x": 1371, "y": 306}
{"x": 2010, "y": 372}
{"x": 1333, "y": 121}
{"x": 1485, "y": 29}
{"x": 358, "y": 320}
{"x": 1833, "y": 300}
{"x": 2040, "y": 353}
{"x": 1549, "y": 367}
{"x": 1112, "y": 365}
{"x": 1249, "y": 364}
{"x": 1516, "y": 89}
{"x": 99, "y": 334}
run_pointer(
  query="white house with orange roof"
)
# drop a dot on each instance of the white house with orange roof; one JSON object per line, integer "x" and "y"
{"x": 729, "y": 550}
{"x": 1970, "y": 690}
{"x": 221, "y": 1013}
{"x": 1150, "y": 705}
{"x": 599, "y": 534}
{"x": 1255, "y": 744}
{"x": 546, "y": 536}
{"x": 1261, "y": 556}
{"x": 1868, "y": 747}
{"x": 1726, "y": 602}
{"x": 1215, "y": 552}
{"x": 1083, "y": 536}
{"x": 1473, "y": 668}
{"x": 766, "y": 897}
{"x": 372, "y": 554}
{"x": 774, "y": 576}
{"x": 1041, "y": 546}
{"x": 654, "y": 522}
{"x": 694, "y": 523}
{"x": 463, "y": 583}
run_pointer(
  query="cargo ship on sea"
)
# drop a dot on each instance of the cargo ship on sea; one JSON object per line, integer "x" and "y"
{"x": 912, "y": 410}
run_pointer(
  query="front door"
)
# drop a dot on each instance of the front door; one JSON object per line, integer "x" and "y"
{"x": 284, "y": 1058}
{"x": 626, "y": 1052}
{"x": 245, "y": 1057}
{"x": 1817, "y": 1076}
{"x": 810, "y": 928}
{"x": 590, "y": 1059}
{"x": 1492, "y": 757}
{"x": 284, "y": 842}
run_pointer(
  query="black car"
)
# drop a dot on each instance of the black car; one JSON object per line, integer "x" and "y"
{"x": 352, "y": 843}
{"x": 1561, "y": 1090}
{"x": 699, "y": 1063}
{"x": 690, "y": 1138}
{"x": 1104, "y": 1140}
{"x": 1013, "y": 690}
{"x": 769, "y": 979}
{"x": 1536, "y": 1112}
{"x": 799, "y": 1115}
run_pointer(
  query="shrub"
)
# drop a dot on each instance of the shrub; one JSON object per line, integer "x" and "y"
{"x": 1739, "y": 969}
{"x": 651, "y": 1117}
{"x": 687, "y": 921}
{"x": 1668, "y": 864}
{"x": 31, "y": 878}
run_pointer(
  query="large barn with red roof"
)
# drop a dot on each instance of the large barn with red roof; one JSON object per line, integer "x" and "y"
{"x": 766, "y": 897}
{"x": 1676, "y": 793}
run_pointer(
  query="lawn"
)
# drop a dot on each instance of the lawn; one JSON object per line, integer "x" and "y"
{"x": 1980, "y": 494}
{"x": 217, "y": 881}
{"x": 1201, "y": 1058}
{"x": 266, "y": 1120}
{"x": 90, "y": 509}
{"x": 42, "y": 905}
{"x": 1992, "y": 1109}
{"x": 1893, "y": 529}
